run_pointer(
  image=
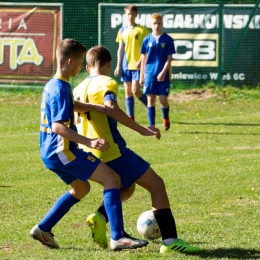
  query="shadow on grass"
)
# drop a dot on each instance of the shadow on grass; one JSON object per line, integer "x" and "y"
{"x": 221, "y": 253}
{"x": 5, "y": 186}
{"x": 229, "y": 253}
{"x": 229, "y": 124}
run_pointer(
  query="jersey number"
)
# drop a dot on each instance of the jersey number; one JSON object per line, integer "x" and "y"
{"x": 91, "y": 158}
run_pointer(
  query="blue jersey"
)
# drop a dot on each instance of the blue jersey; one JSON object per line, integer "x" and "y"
{"x": 57, "y": 104}
{"x": 157, "y": 52}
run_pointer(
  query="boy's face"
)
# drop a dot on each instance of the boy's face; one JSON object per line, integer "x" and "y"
{"x": 76, "y": 64}
{"x": 156, "y": 25}
{"x": 130, "y": 16}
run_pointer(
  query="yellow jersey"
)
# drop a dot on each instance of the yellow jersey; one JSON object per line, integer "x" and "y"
{"x": 132, "y": 39}
{"x": 94, "y": 124}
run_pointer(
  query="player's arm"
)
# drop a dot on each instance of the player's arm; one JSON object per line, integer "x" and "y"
{"x": 82, "y": 107}
{"x": 161, "y": 75}
{"x": 142, "y": 69}
{"x": 61, "y": 129}
{"x": 120, "y": 55}
{"x": 114, "y": 111}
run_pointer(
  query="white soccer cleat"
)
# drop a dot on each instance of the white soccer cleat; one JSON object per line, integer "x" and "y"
{"x": 127, "y": 242}
{"x": 46, "y": 238}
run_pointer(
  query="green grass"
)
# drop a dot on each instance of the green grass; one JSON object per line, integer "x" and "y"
{"x": 209, "y": 160}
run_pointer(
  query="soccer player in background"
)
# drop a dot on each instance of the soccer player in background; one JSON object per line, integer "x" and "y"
{"x": 157, "y": 49}
{"x": 101, "y": 89}
{"x": 130, "y": 38}
{"x": 61, "y": 155}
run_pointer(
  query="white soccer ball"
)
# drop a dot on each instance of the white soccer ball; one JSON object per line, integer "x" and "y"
{"x": 147, "y": 226}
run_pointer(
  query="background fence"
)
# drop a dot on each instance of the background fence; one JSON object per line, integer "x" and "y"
{"x": 225, "y": 51}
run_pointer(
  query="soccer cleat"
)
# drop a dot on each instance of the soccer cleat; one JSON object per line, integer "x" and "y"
{"x": 132, "y": 117}
{"x": 179, "y": 246}
{"x": 46, "y": 238}
{"x": 127, "y": 242}
{"x": 98, "y": 229}
{"x": 166, "y": 123}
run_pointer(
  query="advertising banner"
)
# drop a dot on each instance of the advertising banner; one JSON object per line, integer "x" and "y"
{"x": 28, "y": 39}
{"x": 195, "y": 31}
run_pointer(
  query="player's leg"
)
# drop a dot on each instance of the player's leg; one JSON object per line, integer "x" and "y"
{"x": 165, "y": 108}
{"x": 163, "y": 92}
{"x": 111, "y": 183}
{"x": 126, "y": 78}
{"x": 129, "y": 167}
{"x": 125, "y": 194}
{"x": 132, "y": 168}
{"x": 150, "y": 91}
{"x": 119, "y": 239}
{"x": 163, "y": 214}
{"x": 151, "y": 109}
{"x": 155, "y": 185}
{"x": 136, "y": 88}
{"x": 43, "y": 231}
{"x": 129, "y": 100}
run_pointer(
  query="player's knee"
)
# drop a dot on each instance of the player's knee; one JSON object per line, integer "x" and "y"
{"x": 157, "y": 186}
{"x": 128, "y": 93}
{"x": 164, "y": 104}
{"x": 112, "y": 180}
{"x": 81, "y": 190}
{"x": 160, "y": 183}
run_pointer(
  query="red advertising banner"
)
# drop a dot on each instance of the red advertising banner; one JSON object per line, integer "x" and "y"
{"x": 28, "y": 40}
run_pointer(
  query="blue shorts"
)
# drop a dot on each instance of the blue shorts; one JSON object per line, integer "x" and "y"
{"x": 159, "y": 88}
{"x": 130, "y": 75}
{"x": 81, "y": 168}
{"x": 129, "y": 166}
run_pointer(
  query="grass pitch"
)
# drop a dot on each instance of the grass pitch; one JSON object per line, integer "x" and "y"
{"x": 209, "y": 160}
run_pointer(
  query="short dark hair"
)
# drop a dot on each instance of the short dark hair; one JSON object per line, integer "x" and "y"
{"x": 131, "y": 8}
{"x": 69, "y": 48}
{"x": 98, "y": 55}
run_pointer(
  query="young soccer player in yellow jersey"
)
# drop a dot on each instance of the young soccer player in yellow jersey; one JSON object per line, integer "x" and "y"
{"x": 99, "y": 88}
{"x": 130, "y": 38}
{"x": 61, "y": 155}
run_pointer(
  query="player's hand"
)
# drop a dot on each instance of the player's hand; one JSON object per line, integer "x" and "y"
{"x": 98, "y": 143}
{"x": 151, "y": 130}
{"x": 161, "y": 77}
{"x": 100, "y": 108}
{"x": 117, "y": 71}
{"x": 141, "y": 81}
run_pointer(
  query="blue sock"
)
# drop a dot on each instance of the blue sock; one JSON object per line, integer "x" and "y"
{"x": 59, "y": 209}
{"x": 130, "y": 103}
{"x": 113, "y": 208}
{"x": 151, "y": 115}
{"x": 143, "y": 99}
{"x": 165, "y": 112}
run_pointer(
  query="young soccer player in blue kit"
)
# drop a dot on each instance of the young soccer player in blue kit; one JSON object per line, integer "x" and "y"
{"x": 101, "y": 89}
{"x": 129, "y": 39}
{"x": 61, "y": 155}
{"x": 157, "y": 49}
